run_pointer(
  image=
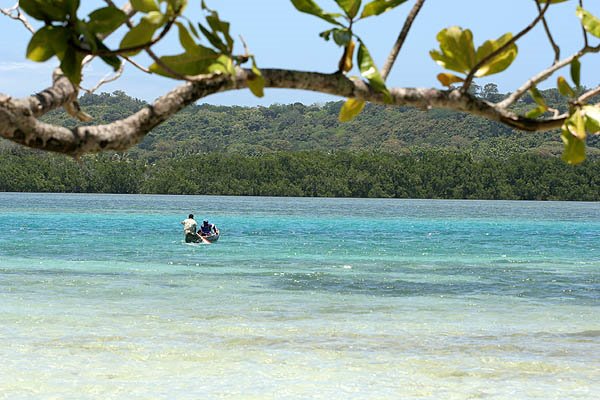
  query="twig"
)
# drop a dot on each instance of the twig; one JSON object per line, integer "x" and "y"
{"x": 246, "y": 52}
{"x": 401, "y": 38}
{"x": 124, "y": 50}
{"x": 18, "y": 15}
{"x": 107, "y": 79}
{"x": 585, "y": 35}
{"x": 544, "y": 75}
{"x": 135, "y": 64}
{"x": 549, "y": 34}
{"x": 485, "y": 60}
{"x": 588, "y": 95}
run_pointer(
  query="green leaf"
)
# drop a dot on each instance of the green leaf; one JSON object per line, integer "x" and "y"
{"x": 592, "y": 118}
{"x": 223, "y": 64}
{"x": 377, "y": 7}
{"x": 537, "y": 97}
{"x": 86, "y": 38}
{"x": 342, "y": 37}
{"x": 155, "y": 18}
{"x": 350, "y": 7}
{"x": 576, "y": 72}
{"x": 44, "y": 42}
{"x": 448, "y": 79}
{"x": 188, "y": 63}
{"x": 176, "y": 6}
{"x": 574, "y": 150}
{"x": 326, "y": 34}
{"x": 350, "y": 109}
{"x": 60, "y": 43}
{"x": 256, "y": 83}
{"x": 590, "y": 23}
{"x": 193, "y": 30}
{"x": 186, "y": 40}
{"x": 457, "y": 52}
{"x": 552, "y": 1}
{"x": 43, "y": 10}
{"x": 71, "y": 65}
{"x": 500, "y": 62}
{"x": 536, "y": 112}
{"x": 457, "y": 49}
{"x": 106, "y": 20}
{"x": 139, "y": 35}
{"x": 564, "y": 88}
{"x": 369, "y": 70}
{"x": 213, "y": 38}
{"x": 144, "y": 6}
{"x": 310, "y": 7}
{"x": 112, "y": 60}
{"x": 575, "y": 124}
{"x": 72, "y": 6}
{"x": 219, "y": 26}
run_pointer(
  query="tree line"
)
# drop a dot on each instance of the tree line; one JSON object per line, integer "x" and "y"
{"x": 420, "y": 174}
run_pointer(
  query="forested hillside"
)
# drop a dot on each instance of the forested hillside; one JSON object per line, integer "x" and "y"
{"x": 300, "y": 150}
{"x": 202, "y": 129}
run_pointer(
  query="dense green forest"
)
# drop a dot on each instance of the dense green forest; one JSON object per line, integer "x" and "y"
{"x": 429, "y": 174}
{"x": 300, "y": 150}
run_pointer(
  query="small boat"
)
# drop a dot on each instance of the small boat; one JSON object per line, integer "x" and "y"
{"x": 213, "y": 237}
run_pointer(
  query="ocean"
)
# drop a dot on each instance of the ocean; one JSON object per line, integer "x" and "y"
{"x": 300, "y": 298}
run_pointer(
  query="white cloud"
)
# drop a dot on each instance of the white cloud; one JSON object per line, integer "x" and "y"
{"x": 10, "y": 66}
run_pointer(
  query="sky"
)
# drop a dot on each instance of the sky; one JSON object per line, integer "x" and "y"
{"x": 281, "y": 37}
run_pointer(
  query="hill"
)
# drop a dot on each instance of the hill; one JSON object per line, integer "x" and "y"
{"x": 202, "y": 129}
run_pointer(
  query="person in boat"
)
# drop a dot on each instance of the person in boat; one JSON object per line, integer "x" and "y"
{"x": 189, "y": 229}
{"x": 207, "y": 229}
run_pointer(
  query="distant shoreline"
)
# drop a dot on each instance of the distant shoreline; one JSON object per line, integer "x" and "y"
{"x": 426, "y": 175}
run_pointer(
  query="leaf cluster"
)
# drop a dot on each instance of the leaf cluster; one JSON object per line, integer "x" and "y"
{"x": 71, "y": 38}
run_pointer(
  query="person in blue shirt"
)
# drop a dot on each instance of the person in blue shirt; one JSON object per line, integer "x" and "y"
{"x": 207, "y": 229}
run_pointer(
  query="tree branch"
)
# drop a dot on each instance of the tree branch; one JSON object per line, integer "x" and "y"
{"x": 18, "y": 15}
{"x": 18, "y": 121}
{"x": 543, "y": 75}
{"x": 585, "y": 34}
{"x": 485, "y": 60}
{"x": 549, "y": 35}
{"x": 588, "y": 95}
{"x": 125, "y": 50}
{"x": 401, "y": 38}
{"x": 107, "y": 79}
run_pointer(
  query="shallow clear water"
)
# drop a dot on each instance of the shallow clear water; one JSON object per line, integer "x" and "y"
{"x": 300, "y": 298}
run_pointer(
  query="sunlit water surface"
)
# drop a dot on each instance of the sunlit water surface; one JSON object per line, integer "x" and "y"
{"x": 300, "y": 298}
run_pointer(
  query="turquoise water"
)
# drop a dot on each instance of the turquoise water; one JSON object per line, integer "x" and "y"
{"x": 300, "y": 298}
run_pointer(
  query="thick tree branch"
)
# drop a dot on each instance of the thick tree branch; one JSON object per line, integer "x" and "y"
{"x": 18, "y": 120}
{"x": 401, "y": 38}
